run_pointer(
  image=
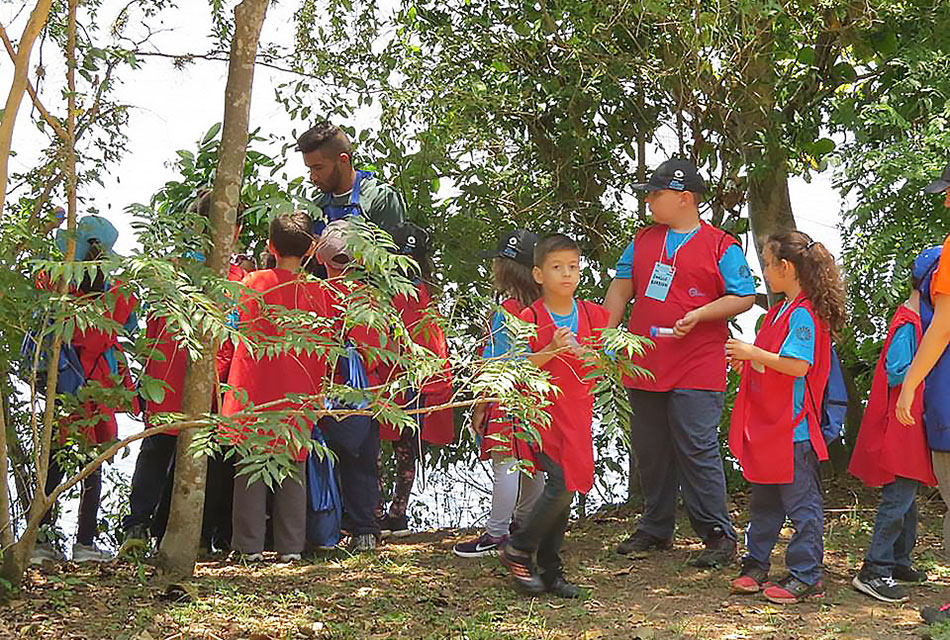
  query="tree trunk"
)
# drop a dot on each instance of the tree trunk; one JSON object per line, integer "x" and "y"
{"x": 770, "y": 208}
{"x": 21, "y": 66}
{"x": 179, "y": 548}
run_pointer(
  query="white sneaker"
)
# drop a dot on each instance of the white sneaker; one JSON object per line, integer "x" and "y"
{"x": 90, "y": 553}
{"x": 46, "y": 552}
{"x": 289, "y": 557}
{"x": 251, "y": 557}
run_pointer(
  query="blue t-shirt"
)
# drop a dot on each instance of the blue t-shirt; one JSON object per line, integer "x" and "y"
{"x": 569, "y": 322}
{"x": 498, "y": 342}
{"x": 900, "y": 353}
{"x": 733, "y": 266}
{"x": 799, "y": 344}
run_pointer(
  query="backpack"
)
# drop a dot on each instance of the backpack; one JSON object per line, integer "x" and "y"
{"x": 71, "y": 375}
{"x": 834, "y": 401}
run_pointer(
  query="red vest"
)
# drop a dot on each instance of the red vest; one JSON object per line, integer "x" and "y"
{"x": 698, "y": 360}
{"x": 885, "y": 448}
{"x": 567, "y": 440}
{"x": 761, "y": 432}
{"x": 172, "y": 366}
{"x": 269, "y": 379}
{"x": 498, "y": 428}
{"x": 438, "y": 427}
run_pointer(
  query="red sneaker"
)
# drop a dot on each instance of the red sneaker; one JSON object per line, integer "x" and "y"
{"x": 752, "y": 578}
{"x": 791, "y": 590}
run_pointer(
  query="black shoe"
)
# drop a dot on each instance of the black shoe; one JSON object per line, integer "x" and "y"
{"x": 397, "y": 527}
{"x": 908, "y": 574}
{"x": 935, "y": 615}
{"x": 522, "y": 570}
{"x": 720, "y": 550}
{"x": 562, "y": 588}
{"x": 137, "y": 541}
{"x": 883, "y": 588}
{"x": 640, "y": 543}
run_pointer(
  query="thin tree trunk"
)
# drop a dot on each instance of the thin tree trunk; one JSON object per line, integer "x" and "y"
{"x": 770, "y": 208}
{"x": 21, "y": 66}
{"x": 6, "y": 516}
{"x": 179, "y": 548}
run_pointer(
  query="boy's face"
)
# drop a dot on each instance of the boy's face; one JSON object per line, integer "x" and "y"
{"x": 560, "y": 273}
{"x": 667, "y": 204}
{"x": 327, "y": 171}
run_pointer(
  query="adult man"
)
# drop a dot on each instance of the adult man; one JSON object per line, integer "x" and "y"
{"x": 327, "y": 152}
{"x": 688, "y": 276}
{"x": 933, "y": 363}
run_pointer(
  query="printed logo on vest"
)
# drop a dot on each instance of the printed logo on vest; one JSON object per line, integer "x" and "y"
{"x": 696, "y": 293}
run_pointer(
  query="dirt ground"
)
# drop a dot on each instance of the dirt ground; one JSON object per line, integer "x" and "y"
{"x": 416, "y": 588}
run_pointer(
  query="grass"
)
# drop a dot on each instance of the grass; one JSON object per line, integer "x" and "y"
{"x": 416, "y": 588}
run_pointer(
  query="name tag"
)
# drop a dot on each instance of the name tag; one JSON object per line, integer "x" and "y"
{"x": 660, "y": 281}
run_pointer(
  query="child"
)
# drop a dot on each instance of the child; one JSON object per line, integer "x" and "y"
{"x": 437, "y": 427}
{"x": 565, "y": 328}
{"x": 355, "y": 439}
{"x": 150, "y": 493}
{"x": 691, "y": 277}
{"x": 513, "y": 493}
{"x": 100, "y": 356}
{"x": 775, "y": 431}
{"x": 894, "y": 456}
{"x": 269, "y": 379}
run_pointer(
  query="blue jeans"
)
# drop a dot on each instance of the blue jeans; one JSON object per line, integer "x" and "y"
{"x": 895, "y": 527}
{"x": 675, "y": 435}
{"x": 802, "y": 503}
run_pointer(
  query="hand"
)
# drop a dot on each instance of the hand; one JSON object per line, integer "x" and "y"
{"x": 478, "y": 419}
{"x": 904, "y": 402}
{"x": 737, "y": 350}
{"x": 685, "y": 324}
{"x": 562, "y": 340}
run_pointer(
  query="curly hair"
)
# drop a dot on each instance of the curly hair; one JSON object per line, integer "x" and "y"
{"x": 513, "y": 279}
{"x": 817, "y": 272}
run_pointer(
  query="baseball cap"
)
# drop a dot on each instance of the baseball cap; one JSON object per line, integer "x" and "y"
{"x": 925, "y": 262}
{"x": 940, "y": 185}
{"x": 676, "y": 174}
{"x": 410, "y": 240}
{"x": 89, "y": 228}
{"x": 517, "y": 245}
{"x": 333, "y": 247}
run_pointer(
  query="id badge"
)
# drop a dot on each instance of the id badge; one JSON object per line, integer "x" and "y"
{"x": 660, "y": 281}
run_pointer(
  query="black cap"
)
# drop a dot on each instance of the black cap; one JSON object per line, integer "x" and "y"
{"x": 410, "y": 240}
{"x": 940, "y": 185}
{"x": 517, "y": 245}
{"x": 675, "y": 174}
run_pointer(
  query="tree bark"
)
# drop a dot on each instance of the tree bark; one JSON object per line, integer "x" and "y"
{"x": 21, "y": 65}
{"x": 179, "y": 549}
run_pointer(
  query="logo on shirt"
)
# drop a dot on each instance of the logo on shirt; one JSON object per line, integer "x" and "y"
{"x": 696, "y": 293}
{"x": 803, "y": 334}
{"x": 744, "y": 271}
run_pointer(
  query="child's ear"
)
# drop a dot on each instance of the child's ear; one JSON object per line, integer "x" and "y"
{"x": 536, "y": 274}
{"x": 272, "y": 249}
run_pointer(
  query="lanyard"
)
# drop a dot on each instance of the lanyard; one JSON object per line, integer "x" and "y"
{"x": 676, "y": 252}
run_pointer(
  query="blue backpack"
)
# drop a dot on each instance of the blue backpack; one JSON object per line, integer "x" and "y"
{"x": 834, "y": 401}
{"x": 71, "y": 375}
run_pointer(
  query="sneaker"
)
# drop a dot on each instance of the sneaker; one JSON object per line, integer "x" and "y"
{"x": 46, "y": 552}
{"x": 90, "y": 553}
{"x": 640, "y": 543}
{"x": 752, "y": 578}
{"x": 485, "y": 545}
{"x": 289, "y": 557}
{"x": 908, "y": 574}
{"x": 247, "y": 558}
{"x": 397, "y": 527}
{"x": 790, "y": 590}
{"x": 720, "y": 550}
{"x": 935, "y": 615}
{"x": 522, "y": 570}
{"x": 137, "y": 540}
{"x": 883, "y": 588}
{"x": 362, "y": 542}
{"x": 561, "y": 588}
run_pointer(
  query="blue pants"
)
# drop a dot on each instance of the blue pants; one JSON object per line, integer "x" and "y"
{"x": 802, "y": 503}
{"x": 895, "y": 527}
{"x": 675, "y": 435}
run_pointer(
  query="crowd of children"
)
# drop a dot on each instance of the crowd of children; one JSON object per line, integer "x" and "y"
{"x": 685, "y": 279}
